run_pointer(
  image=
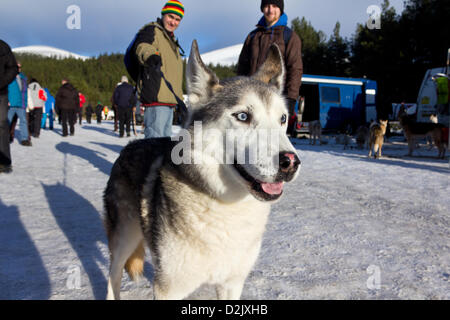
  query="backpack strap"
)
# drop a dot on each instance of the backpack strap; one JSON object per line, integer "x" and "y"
{"x": 287, "y": 35}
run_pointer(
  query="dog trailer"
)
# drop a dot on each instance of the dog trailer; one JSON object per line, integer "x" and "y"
{"x": 428, "y": 106}
{"x": 434, "y": 95}
{"x": 341, "y": 104}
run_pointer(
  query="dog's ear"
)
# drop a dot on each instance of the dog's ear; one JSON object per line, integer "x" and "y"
{"x": 272, "y": 70}
{"x": 202, "y": 83}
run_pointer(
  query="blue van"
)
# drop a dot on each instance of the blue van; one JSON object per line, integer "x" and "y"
{"x": 341, "y": 104}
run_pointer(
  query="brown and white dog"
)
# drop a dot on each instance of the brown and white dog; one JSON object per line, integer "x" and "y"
{"x": 376, "y": 137}
{"x": 414, "y": 130}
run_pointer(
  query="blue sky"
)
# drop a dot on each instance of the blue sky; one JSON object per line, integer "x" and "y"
{"x": 109, "y": 25}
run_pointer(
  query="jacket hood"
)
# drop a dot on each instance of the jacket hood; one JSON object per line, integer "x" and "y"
{"x": 281, "y": 22}
{"x": 34, "y": 86}
{"x": 68, "y": 85}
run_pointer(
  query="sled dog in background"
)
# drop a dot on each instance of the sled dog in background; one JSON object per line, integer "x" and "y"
{"x": 362, "y": 137}
{"x": 376, "y": 137}
{"x": 203, "y": 223}
{"x": 315, "y": 132}
{"x": 414, "y": 130}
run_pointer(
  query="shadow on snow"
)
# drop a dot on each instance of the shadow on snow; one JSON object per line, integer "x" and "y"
{"x": 22, "y": 271}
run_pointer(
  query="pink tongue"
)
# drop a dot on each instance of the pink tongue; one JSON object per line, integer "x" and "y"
{"x": 272, "y": 188}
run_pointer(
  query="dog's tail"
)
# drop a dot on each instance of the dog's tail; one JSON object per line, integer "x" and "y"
{"x": 135, "y": 263}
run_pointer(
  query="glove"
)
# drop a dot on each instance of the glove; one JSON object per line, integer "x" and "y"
{"x": 154, "y": 61}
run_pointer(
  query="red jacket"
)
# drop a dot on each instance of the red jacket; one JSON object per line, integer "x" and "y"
{"x": 82, "y": 99}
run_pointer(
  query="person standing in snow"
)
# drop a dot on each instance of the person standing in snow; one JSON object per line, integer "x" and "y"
{"x": 114, "y": 108}
{"x": 17, "y": 96}
{"x": 80, "y": 111}
{"x": 272, "y": 28}
{"x": 8, "y": 72}
{"x": 105, "y": 112}
{"x": 48, "y": 112}
{"x": 158, "y": 53}
{"x": 124, "y": 99}
{"x": 89, "y": 111}
{"x": 98, "y": 112}
{"x": 67, "y": 102}
{"x": 36, "y": 102}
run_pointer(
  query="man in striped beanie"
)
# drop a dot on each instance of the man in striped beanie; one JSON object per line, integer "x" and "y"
{"x": 175, "y": 7}
{"x": 157, "y": 52}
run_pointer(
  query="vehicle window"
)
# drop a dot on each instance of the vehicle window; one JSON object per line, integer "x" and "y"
{"x": 370, "y": 96}
{"x": 330, "y": 94}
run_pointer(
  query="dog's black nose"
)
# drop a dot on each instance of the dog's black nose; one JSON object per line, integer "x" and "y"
{"x": 289, "y": 161}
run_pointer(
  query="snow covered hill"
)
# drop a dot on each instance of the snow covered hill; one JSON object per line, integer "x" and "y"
{"x": 348, "y": 228}
{"x": 47, "y": 51}
{"x": 225, "y": 56}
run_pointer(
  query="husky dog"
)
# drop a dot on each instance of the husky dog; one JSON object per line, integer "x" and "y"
{"x": 315, "y": 132}
{"x": 418, "y": 130}
{"x": 203, "y": 222}
{"x": 362, "y": 137}
{"x": 376, "y": 137}
{"x": 343, "y": 138}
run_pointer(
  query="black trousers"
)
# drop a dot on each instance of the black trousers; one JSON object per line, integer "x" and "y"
{"x": 68, "y": 118}
{"x": 5, "y": 154}
{"x": 88, "y": 117}
{"x": 34, "y": 125}
{"x": 125, "y": 115}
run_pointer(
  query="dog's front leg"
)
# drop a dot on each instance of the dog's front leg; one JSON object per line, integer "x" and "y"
{"x": 231, "y": 290}
{"x": 411, "y": 144}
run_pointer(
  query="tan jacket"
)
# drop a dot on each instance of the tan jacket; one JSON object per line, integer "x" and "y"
{"x": 153, "y": 40}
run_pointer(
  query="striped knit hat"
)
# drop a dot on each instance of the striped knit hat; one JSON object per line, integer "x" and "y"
{"x": 173, "y": 6}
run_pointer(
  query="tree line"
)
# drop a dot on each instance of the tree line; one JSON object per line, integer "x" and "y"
{"x": 396, "y": 55}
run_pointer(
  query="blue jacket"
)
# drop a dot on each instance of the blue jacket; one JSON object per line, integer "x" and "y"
{"x": 283, "y": 21}
{"x": 17, "y": 97}
{"x": 50, "y": 103}
{"x": 124, "y": 96}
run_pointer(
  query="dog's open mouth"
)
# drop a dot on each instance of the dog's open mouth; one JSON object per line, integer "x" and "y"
{"x": 263, "y": 191}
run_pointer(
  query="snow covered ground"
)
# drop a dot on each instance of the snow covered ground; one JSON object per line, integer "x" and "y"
{"x": 349, "y": 228}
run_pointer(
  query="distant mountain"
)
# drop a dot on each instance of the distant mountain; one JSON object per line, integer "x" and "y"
{"x": 47, "y": 51}
{"x": 225, "y": 57}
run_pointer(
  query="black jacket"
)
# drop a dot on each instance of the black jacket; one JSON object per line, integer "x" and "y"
{"x": 67, "y": 98}
{"x": 89, "y": 110}
{"x": 8, "y": 67}
{"x": 124, "y": 96}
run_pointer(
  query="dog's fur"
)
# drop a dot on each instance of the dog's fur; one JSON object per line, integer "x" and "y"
{"x": 376, "y": 137}
{"x": 418, "y": 130}
{"x": 315, "y": 132}
{"x": 362, "y": 137}
{"x": 203, "y": 222}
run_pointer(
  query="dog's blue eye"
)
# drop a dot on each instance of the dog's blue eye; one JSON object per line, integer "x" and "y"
{"x": 283, "y": 119}
{"x": 242, "y": 116}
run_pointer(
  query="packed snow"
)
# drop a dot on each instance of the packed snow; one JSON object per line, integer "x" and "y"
{"x": 349, "y": 227}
